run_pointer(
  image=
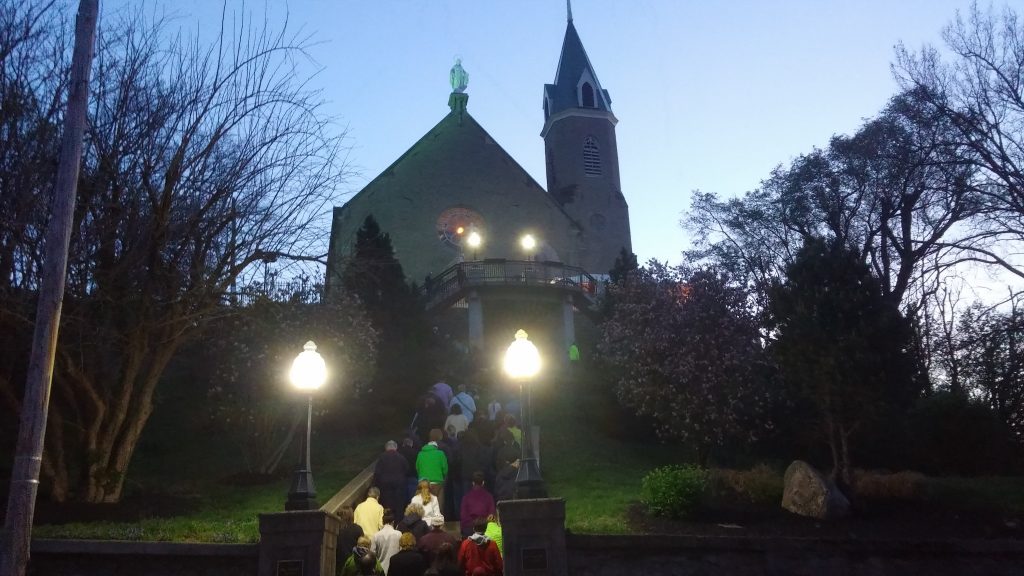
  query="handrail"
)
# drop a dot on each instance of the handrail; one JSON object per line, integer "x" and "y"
{"x": 352, "y": 493}
{"x": 460, "y": 277}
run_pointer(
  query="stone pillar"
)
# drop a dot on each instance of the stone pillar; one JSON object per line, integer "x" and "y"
{"x": 533, "y": 534}
{"x": 476, "y": 321}
{"x": 298, "y": 543}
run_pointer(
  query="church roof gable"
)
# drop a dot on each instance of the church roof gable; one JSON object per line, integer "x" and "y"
{"x": 457, "y": 135}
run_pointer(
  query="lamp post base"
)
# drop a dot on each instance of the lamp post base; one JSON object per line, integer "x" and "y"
{"x": 529, "y": 483}
{"x": 302, "y": 495}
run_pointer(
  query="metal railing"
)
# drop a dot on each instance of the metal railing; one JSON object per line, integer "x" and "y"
{"x": 454, "y": 282}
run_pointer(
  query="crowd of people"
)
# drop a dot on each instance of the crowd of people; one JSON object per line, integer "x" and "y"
{"x": 469, "y": 461}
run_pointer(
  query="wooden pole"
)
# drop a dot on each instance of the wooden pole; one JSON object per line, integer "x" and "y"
{"x": 28, "y": 457}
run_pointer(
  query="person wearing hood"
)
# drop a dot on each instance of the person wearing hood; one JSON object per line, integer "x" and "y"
{"x": 432, "y": 465}
{"x": 479, "y": 554}
{"x": 444, "y": 392}
{"x": 413, "y": 522}
{"x": 355, "y": 561}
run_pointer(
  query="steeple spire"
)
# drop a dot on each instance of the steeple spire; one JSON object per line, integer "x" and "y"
{"x": 576, "y": 85}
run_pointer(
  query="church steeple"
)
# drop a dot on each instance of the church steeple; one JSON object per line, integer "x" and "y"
{"x": 576, "y": 85}
{"x": 582, "y": 155}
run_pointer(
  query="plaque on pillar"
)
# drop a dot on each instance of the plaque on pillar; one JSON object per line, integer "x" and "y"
{"x": 289, "y": 568}
{"x": 535, "y": 561}
{"x": 534, "y": 537}
{"x": 300, "y": 543}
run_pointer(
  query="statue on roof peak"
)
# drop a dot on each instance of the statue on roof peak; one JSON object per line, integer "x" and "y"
{"x": 459, "y": 77}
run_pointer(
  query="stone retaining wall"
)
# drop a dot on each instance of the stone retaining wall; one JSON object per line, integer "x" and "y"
{"x": 737, "y": 556}
{"x": 99, "y": 558}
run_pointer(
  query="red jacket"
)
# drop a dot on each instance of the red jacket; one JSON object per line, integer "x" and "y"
{"x": 479, "y": 551}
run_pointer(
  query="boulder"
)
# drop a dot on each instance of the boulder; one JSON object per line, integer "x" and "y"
{"x": 808, "y": 493}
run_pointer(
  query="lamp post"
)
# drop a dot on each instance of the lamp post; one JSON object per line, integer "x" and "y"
{"x": 522, "y": 363}
{"x": 307, "y": 375}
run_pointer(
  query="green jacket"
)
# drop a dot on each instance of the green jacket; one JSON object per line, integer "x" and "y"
{"x": 432, "y": 464}
{"x": 494, "y": 533}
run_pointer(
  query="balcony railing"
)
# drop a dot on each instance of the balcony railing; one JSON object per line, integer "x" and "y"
{"x": 453, "y": 284}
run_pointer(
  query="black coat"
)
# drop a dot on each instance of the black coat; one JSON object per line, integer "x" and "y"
{"x": 473, "y": 457}
{"x": 391, "y": 469}
{"x": 407, "y": 563}
{"x": 347, "y": 537}
{"x": 409, "y": 453}
{"x": 505, "y": 483}
{"x": 413, "y": 523}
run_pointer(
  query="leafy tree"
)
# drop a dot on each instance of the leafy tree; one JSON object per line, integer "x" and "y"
{"x": 991, "y": 358}
{"x": 686, "y": 354}
{"x": 199, "y": 161}
{"x": 897, "y": 191}
{"x": 839, "y": 343}
{"x": 952, "y": 433}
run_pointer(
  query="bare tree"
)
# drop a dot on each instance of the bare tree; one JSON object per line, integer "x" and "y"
{"x": 979, "y": 90}
{"x": 200, "y": 161}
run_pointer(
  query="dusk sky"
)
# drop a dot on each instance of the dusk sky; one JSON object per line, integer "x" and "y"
{"x": 709, "y": 95}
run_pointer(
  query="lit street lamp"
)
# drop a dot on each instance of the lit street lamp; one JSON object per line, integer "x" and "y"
{"x": 474, "y": 240}
{"x": 529, "y": 243}
{"x": 522, "y": 363}
{"x": 307, "y": 375}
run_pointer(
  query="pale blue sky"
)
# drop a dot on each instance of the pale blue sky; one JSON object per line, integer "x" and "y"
{"x": 709, "y": 95}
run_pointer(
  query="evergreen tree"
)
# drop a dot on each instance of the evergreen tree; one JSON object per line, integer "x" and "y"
{"x": 375, "y": 276}
{"x": 842, "y": 347}
{"x": 624, "y": 264}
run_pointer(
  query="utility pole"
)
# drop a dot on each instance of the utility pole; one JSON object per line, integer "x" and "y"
{"x": 28, "y": 456}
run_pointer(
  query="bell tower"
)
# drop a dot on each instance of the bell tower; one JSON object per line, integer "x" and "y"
{"x": 582, "y": 156}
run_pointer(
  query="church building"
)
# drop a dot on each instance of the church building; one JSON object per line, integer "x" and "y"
{"x": 478, "y": 233}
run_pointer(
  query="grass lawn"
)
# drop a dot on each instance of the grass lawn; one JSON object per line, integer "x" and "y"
{"x": 212, "y": 511}
{"x": 176, "y": 489}
{"x": 599, "y": 476}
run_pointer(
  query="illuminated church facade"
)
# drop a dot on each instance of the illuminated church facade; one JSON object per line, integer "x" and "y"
{"x": 458, "y": 207}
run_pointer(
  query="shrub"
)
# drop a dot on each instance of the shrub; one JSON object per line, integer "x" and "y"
{"x": 759, "y": 485}
{"x": 673, "y": 491}
{"x": 882, "y": 486}
{"x": 954, "y": 434}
